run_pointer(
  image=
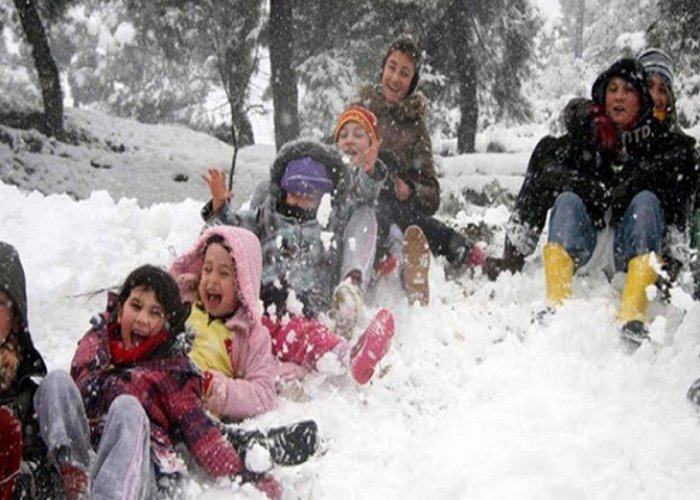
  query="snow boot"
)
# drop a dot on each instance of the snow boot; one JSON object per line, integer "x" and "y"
{"x": 346, "y": 308}
{"x": 558, "y": 273}
{"x": 288, "y": 445}
{"x": 634, "y": 301}
{"x": 372, "y": 346}
{"x": 416, "y": 266}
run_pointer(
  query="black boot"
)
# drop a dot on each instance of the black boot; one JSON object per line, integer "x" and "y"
{"x": 288, "y": 445}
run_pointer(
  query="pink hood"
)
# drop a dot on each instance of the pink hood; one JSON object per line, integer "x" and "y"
{"x": 252, "y": 391}
{"x": 247, "y": 256}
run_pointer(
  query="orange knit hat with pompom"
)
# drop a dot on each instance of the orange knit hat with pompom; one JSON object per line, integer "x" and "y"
{"x": 361, "y": 115}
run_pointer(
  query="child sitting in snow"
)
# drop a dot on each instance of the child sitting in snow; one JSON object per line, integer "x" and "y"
{"x": 19, "y": 362}
{"x": 134, "y": 395}
{"x": 357, "y": 137}
{"x": 301, "y": 256}
{"x": 220, "y": 275}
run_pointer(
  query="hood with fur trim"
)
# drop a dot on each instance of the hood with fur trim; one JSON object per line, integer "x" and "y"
{"x": 325, "y": 154}
{"x": 413, "y": 108}
{"x": 244, "y": 248}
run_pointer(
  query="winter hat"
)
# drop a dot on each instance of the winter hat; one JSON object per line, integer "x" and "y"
{"x": 630, "y": 70}
{"x": 407, "y": 45}
{"x": 659, "y": 62}
{"x": 306, "y": 176}
{"x": 363, "y": 116}
{"x": 166, "y": 290}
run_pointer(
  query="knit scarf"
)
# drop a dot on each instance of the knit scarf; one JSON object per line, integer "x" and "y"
{"x": 123, "y": 356}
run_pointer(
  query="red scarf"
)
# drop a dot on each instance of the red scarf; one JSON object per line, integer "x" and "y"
{"x": 123, "y": 356}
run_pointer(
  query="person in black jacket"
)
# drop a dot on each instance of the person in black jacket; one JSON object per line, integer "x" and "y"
{"x": 618, "y": 168}
{"x": 24, "y": 470}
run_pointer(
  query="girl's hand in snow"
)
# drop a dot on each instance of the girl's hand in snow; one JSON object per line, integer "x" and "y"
{"x": 216, "y": 180}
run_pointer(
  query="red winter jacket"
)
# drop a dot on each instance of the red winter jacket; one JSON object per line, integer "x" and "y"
{"x": 170, "y": 390}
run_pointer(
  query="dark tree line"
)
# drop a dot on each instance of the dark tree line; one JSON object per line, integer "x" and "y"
{"x": 476, "y": 55}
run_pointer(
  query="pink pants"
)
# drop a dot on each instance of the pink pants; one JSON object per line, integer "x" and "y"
{"x": 302, "y": 340}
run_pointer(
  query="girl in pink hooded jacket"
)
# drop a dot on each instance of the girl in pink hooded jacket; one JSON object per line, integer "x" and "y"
{"x": 221, "y": 276}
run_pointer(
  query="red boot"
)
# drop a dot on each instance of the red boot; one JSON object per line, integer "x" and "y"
{"x": 371, "y": 346}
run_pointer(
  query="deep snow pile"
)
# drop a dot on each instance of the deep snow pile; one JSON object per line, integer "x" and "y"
{"x": 481, "y": 396}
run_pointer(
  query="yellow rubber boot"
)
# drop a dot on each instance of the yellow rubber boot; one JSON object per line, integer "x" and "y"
{"x": 634, "y": 302}
{"x": 558, "y": 273}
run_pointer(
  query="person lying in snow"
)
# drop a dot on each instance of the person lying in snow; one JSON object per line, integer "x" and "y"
{"x": 134, "y": 396}
{"x": 24, "y": 467}
{"x": 618, "y": 169}
{"x": 301, "y": 258}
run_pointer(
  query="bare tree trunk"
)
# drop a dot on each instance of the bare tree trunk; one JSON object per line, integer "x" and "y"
{"x": 45, "y": 66}
{"x": 284, "y": 80}
{"x": 460, "y": 33}
{"x": 578, "y": 34}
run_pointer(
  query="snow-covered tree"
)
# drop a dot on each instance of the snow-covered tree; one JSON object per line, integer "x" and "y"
{"x": 48, "y": 75}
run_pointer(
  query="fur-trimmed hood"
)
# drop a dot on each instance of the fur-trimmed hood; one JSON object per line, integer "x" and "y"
{"x": 322, "y": 153}
{"x": 413, "y": 108}
{"x": 244, "y": 247}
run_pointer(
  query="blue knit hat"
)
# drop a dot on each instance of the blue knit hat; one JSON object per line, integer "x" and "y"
{"x": 306, "y": 176}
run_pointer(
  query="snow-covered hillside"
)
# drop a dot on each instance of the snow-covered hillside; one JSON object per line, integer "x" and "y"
{"x": 481, "y": 396}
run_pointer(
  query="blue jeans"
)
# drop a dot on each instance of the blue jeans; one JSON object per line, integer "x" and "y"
{"x": 639, "y": 232}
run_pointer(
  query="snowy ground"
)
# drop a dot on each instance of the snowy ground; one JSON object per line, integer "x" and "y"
{"x": 479, "y": 397}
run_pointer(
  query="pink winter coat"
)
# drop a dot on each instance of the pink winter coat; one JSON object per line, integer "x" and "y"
{"x": 252, "y": 392}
